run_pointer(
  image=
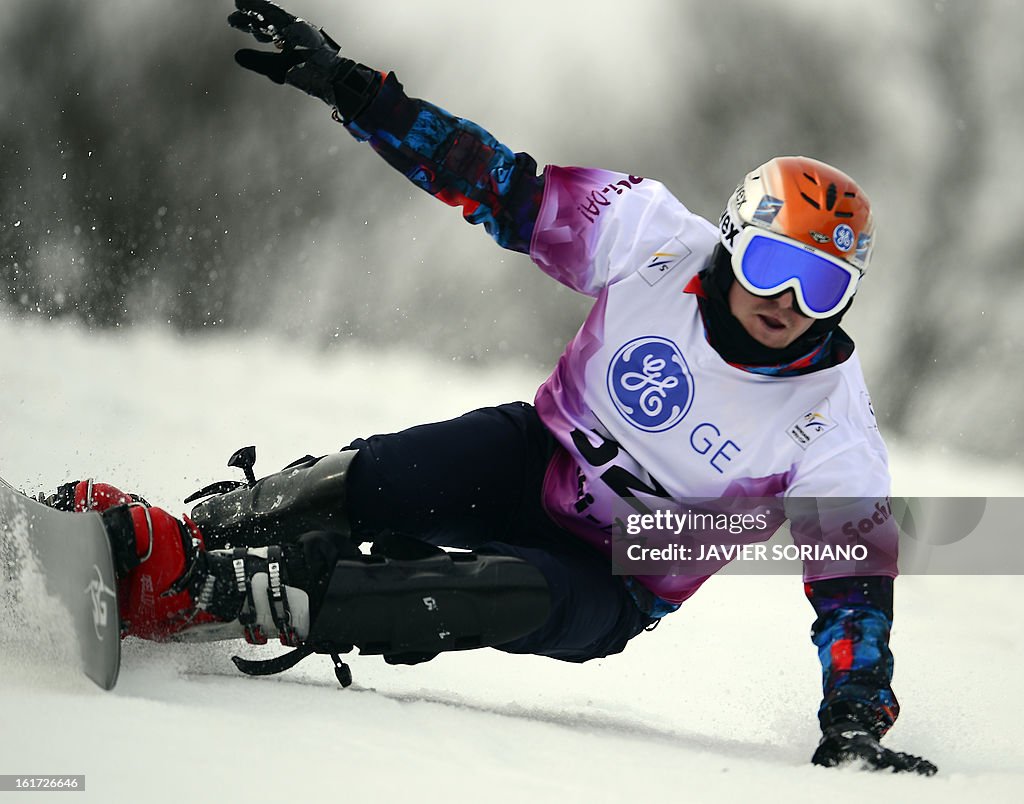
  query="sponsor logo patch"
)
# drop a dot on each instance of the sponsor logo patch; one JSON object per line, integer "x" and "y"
{"x": 767, "y": 210}
{"x": 866, "y": 399}
{"x": 842, "y": 235}
{"x": 650, "y": 383}
{"x": 811, "y": 426}
{"x": 662, "y": 262}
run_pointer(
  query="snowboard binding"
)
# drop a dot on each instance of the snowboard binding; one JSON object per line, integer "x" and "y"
{"x": 276, "y": 556}
{"x": 307, "y": 495}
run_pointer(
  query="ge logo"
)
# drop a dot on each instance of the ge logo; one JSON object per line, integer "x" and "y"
{"x": 650, "y": 383}
{"x": 843, "y": 237}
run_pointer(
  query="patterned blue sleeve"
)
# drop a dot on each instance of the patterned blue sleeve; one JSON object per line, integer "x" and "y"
{"x": 456, "y": 161}
{"x": 852, "y": 636}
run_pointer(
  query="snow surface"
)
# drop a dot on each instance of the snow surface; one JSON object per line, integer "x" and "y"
{"x": 715, "y": 705}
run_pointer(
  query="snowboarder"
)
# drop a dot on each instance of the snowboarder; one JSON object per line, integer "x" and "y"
{"x": 711, "y": 365}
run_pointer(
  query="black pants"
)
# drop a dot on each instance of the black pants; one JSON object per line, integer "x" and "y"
{"x": 475, "y": 482}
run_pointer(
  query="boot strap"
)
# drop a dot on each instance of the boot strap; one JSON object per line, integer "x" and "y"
{"x": 278, "y": 597}
{"x": 247, "y": 616}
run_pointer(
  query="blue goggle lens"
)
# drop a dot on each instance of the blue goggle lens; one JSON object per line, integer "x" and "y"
{"x": 767, "y": 264}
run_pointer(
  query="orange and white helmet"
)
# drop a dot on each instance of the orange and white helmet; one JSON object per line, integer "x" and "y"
{"x": 797, "y": 223}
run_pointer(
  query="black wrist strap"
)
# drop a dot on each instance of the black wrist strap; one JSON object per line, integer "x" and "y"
{"x": 355, "y": 87}
{"x": 850, "y": 727}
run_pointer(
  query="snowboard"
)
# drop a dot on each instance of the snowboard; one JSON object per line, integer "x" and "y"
{"x": 72, "y": 554}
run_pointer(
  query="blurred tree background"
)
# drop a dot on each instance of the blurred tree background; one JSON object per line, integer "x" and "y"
{"x": 147, "y": 179}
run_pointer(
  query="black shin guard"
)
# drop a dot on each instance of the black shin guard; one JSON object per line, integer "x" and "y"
{"x": 307, "y": 496}
{"x": 411, "y": 610}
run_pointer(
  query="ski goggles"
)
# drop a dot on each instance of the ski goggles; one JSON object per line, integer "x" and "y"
{"x": 767, "y": 264}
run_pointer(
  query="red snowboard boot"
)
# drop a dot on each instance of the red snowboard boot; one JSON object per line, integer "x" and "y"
{"x": 168, "y": 584}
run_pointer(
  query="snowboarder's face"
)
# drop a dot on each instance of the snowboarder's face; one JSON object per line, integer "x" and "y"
{"x": 773, "y": 321}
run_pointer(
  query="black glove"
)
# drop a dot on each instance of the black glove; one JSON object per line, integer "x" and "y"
{"x": 308, "y": 59}
{"x": 843, "y": 745}
{"x": 63, "y": 499}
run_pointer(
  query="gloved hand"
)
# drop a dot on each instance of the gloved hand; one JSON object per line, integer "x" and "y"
{"x": 86, "y": 495}
{"x": 846, "y": 744}
{"x": 308, "y": 59}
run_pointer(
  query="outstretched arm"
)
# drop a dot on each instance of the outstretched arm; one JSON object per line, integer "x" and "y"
{"x": 456, "y": 161}
{"x": 453, "y": 159}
